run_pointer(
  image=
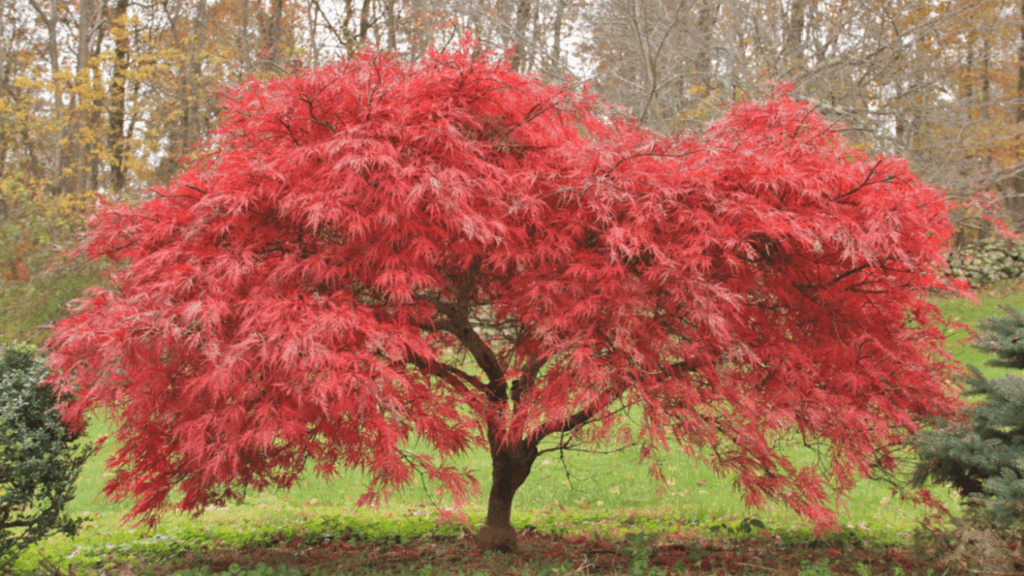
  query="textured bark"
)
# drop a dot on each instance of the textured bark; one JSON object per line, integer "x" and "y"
{"x": 276, "y": 32}
{"x": 364, "y": 21}
{"x": 116, "y": 137}
{"x": 192, "y": 122}
{"x": 1015, "y": 200}
{"x": 391, "y": 23}
{"x": 510, "y": 467}
{"x": 517, "y": 55}
{"x": 80, "y": 150}
{"x": 556, "y": 33}
{"x": 243, "y": 40}
{"x": 707, "y": 18}
{"x": 794, "y": 45}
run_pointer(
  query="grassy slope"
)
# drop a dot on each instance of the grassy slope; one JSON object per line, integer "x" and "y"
{"x": 607, "y": 493}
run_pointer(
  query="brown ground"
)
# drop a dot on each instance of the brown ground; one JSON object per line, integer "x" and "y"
{"x": 678, "y": 554}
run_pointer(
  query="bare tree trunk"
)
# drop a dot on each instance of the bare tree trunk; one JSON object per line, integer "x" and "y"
{"x": 276, "y": 32}
{"x": 79, "y": 151}
{"x": 50, "y": 21}
{"x": 986, "y": 84}
{"x": 649, "y": 77}
{"x": 5, "y": 62}
{"x": 1015, "y": 202}
{"x": 312, "y": 18}
{"x": 793, "y": 45}
{"x": 556, "y": 32}
{"x": 6, "y": 71}
{"x": 190, "y": 93}
{"x": 511, "y": 461}
{"x": 193, "y": 91}
{"x": 85, "y": 24}
{"x": 364, "y": 21}
{"x": 392, "y": 24}
{"x": 968, "y": 87}
{"x": 510, "y": 466}
{"x": 707, "y": 17}
{"x": 116, "y": 138}
{"x": 243, "y": 41}
{"x": 518, "y": 52}
{"x": 95, "y": 77}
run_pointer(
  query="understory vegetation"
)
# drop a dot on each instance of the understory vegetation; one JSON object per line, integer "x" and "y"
{"x": 581, "y": 513}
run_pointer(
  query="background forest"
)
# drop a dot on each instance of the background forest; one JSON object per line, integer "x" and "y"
{"x": 108, "y": 97}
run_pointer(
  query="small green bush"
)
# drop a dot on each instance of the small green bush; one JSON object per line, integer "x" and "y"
{"x": 40, "y": 459}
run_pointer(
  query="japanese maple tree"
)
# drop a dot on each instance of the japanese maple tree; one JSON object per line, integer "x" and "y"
{"x": 379, "y": 251}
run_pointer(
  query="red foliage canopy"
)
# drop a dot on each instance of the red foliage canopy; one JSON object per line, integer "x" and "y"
{"x": 377, "y": 250}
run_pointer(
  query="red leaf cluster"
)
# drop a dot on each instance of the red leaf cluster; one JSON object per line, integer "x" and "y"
{"x": 377, "y": 251}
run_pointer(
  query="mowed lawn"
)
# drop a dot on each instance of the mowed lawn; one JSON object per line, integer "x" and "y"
{"x": 570, "y": 492}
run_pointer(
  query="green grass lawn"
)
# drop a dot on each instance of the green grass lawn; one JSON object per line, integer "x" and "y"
{"x": 957, "y": 310}
{"x": 597, "y": 493}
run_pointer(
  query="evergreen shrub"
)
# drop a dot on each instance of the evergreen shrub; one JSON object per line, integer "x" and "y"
{"x": 982, "y": 454}
{"x": 40, "y": 460}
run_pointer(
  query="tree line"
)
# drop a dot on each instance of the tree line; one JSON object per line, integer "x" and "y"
{"x": 111, "y": 96}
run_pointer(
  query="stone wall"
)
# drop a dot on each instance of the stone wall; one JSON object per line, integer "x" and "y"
{"x": 988, "y": 261}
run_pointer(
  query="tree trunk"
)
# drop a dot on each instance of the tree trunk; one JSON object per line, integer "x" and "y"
{"x": 510, "y": 465}
{"x": 243, "y": 42}
{"x": 392, "y": 25}
{"x": 518, "y": 53}
{"x": 556, "y": 31}
{"x": 50, "y": 21}
{"x": 192, "y": 123}
{"x": 80, "y": 150}
{"x": 276, "y": 32}
{"x": 1015, "y": 200}
{"x": 364, "y": 22}
{"x": 793, "y": 44}
{"x": 116, "y": 138}
{"x": 707, "y": 18}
